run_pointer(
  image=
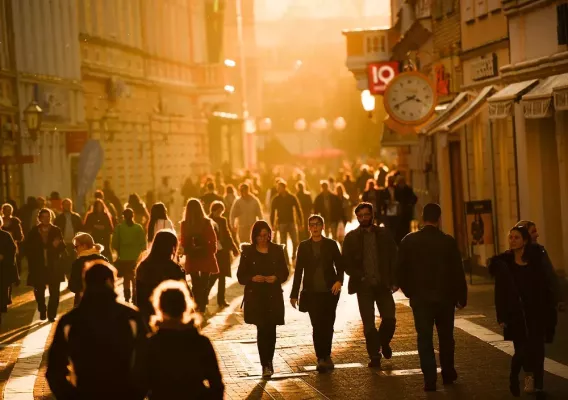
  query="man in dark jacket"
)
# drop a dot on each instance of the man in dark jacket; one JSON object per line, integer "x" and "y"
{"x": 282, "y": 216}
{"x": 209, "y": 197}
{"x": 44, "y": 248}
{"x": 431, "y": 275}
{"x": 369, "y": 254}
{"x": 70, "y": 224}
{"x": 329, "y": 206}
{"x": 306, "y": 204}
{"x": 8, "y": 269}
{"x": 102, "y": 342}
{"x": 320, "y": 265}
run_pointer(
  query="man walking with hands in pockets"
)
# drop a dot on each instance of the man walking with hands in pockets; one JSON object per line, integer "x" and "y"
{"x": 431, "y": 275}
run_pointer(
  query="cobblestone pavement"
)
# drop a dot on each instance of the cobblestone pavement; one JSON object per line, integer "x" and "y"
{"x": 482, "y": 359}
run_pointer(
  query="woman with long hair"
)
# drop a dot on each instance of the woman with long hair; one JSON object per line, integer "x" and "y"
{"x": 129, "y": 241}
{"x": 141, "y": 215}
{"x": 158, "y": 266}
{"x": 159, "y": 220}
{"x": 525, "y": 303}
{"x": 98, "y": 222}
{"x": 181, "y": 361}
{"x": 199, "y": 243}
{"x": 263, "y": 269}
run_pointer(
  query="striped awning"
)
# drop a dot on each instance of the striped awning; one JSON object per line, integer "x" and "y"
{"x": 466, "y": 114}
{"x": 538, "y": 102}
{"x": 501, "y": 103}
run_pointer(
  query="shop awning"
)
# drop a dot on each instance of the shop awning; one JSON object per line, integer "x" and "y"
{"x": 537, "y": 103}
{"x": 466, "y": 114}
{"x": 445, "y": 115}
{"x": 561, "y": 97}
{"x": 501, "y": 103}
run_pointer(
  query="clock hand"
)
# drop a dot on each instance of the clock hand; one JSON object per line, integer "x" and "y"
{"x": 408, "y": 98}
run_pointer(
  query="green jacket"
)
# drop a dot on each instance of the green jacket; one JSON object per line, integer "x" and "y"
{"x": 129, "y": 241}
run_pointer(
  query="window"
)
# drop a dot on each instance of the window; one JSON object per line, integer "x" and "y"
{"x": 383, "y": 45}
{"x": 374, "y": 45}
{"x": 468, "y": 10}
{"x": 562, "y": 23}
{"x": 423, "y": 9}
{"x": 480, "y": 8}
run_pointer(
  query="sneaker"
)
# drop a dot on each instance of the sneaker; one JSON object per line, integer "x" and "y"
{"x": 266, "y": 372}
{"x": 449, "y": 378}
{"x": 322, "y": 366}
{"x": 387, "y": 351}
{"x": 43, "y": 315}
{"x": 430, "y": 387}
{"x": 329, "y": 363}
{"x": 529, "y": 384}
{"x": 271, "y": 368}
{"x": 223, "y": 304}
{"x": 375, "y": 362}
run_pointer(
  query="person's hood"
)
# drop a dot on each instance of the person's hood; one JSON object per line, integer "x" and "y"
{"x": 98, "y": 249}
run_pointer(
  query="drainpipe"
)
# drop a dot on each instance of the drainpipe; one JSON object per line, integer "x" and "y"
{"x": 495, "y": 219}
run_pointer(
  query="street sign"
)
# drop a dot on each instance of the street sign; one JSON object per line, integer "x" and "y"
{"x": 13, "y": 160}
{"x": 380, "y": 75}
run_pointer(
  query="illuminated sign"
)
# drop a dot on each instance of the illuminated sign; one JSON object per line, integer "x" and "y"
{"x": 380, "y": 75}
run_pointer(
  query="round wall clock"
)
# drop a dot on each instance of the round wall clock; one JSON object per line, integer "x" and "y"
{"x": 410, "y": 98}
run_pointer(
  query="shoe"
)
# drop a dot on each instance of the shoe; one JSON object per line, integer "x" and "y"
{"x": 515, "y": 388}
{"x": 43, "y": 315}
{"x": 540, "y": 394}
{"x": 449, "y": 378}
{"x": 322, "y": 366}
{"x": 271, "y": 368}
{"x": 387, "y": 351}
{"x": 430, "y": 387}
{"x": 375, "y": 362}
{"x": 529, "y": 384}
{"x": 223, "y": 304}
{"x": 329, "y": 363}
{"x": 52, "y": 319}
{"x": 266, "y": 372}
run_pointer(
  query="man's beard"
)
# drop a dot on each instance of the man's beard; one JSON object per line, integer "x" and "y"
{"x": 366, "y": 224}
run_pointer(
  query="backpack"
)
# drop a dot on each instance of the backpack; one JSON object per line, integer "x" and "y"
{"x": 195, "y": 245}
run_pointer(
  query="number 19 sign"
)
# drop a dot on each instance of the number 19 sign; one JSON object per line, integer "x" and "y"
{"x": 380, "y": 75}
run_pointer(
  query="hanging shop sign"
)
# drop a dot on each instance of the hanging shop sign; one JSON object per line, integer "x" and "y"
{"x": 380, "y": 75}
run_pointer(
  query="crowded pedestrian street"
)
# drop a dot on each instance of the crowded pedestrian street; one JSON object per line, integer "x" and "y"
{"x": 482, "y": 357}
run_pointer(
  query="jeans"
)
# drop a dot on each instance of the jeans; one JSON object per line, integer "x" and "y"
{"x": 200, "y": 283}
{"x": 529, "y": 355}
{"x": 221, "y": 287}
{"x": 126, "y": 270}
{"x": 322, "y": 309}
{"x": 266, "y": 342}
{"x": 289, "y": 229}
{"x": 426, "y": 315}
{"x": 53, "y": 304}
{"x": 367, "y": 296}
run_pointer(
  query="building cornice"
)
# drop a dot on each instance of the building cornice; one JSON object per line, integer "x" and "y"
{"x": 514, "y": 7}
{"x": 536, "y": 68}
{"x": 97, "y": 40}
{"x": 5, "y": 73}
{"x": 485, "y": 47}
{"x": 49, "y": 79}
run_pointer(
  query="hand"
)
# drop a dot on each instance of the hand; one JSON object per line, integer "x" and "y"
{"x": 270, "y": 279}
{"x": 561, "y": 306}
{"x": 294, "y": 302}
{"x": 408, "y": 98}
{"x": 459, "y": 306}
{"x": 258, "y": 279}
{"x": 336, "y": 288}
{"x": 394, "y": 288}
{"x": 56, "y": 242}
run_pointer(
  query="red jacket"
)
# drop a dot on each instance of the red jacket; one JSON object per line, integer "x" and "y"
{"x": 208, "y": 262}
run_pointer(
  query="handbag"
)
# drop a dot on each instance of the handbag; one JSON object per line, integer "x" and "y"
{"x": 303, "y": 301}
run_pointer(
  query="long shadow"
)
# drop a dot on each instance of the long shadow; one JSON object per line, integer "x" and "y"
{"x": 12, "y": 337}
{"x": 258, "y": 391}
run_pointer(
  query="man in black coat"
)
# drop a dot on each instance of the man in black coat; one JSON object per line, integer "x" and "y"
{"x": 104, "y": 342}
{"x": 306, "y": 204}
{"x": 8, "y": 268}
{"x": 70, "y": 224}
{"x": 44, "y": 248}
{"x": 431, "y": 275}
{"x": 329, "y": 206}
{"x": 320, "y": 265}
{"x": 369, "y": 254}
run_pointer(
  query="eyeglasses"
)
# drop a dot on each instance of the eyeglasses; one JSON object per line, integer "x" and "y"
{"x": 315, "y": 225}
{"x": 364, "y": 215}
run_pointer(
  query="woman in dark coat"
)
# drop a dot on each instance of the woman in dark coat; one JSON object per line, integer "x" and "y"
{"x": 526, "y": 306}
{"x": 98, "y": 222}
{"x": 8, "y": 270}
{"x": 157, "y": 267}
{"x": 199, "y": 243}
{"x": 180, "y": 359}
{"x": 263, "y": 270}
{"x": 226, "y": 245}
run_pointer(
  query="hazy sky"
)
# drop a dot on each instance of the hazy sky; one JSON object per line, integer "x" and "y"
{"x": 274, "y": 9}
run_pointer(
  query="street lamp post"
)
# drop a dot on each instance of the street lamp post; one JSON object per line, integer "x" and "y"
{"x": 33, "y": 117}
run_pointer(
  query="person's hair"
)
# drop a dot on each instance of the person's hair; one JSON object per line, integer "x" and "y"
{"x": 526, "y": 237}
{"x": 31, "y": 201}
{"x": 525, "y": 223}
{"x": 300, "y": 186}
{"x": 431, "y": 213}
{"x": 257, "y": 228}
{"x": 217, "y": 205}
{"x": 128, "y": 215}
{"x": 84, "y": 239}
{"x": 10, "y": 207}
{"x": 316, "y": 217}
{"x": 194, "y": 214}
{"x": 362, "y": 206}
{"x": 210, "y": 186}
{"x": 165, "y": 244}
{"x": 96, "y": 275}
{"x": 67, "y": 200}
{"x": 229, "y": 189}
{"x": 1, "y": 221}
{"x": 244, "y": 186}
{"x": 158, "y": 211}
{"x": 40, "y": 198}
{"x": 134, "y": 200}
{"x": 105, "y": 211}
{"x": 370, "y": 185}
{"x": 172, "y": 298}
{"x": 99, "y": 194}
{"x": 43, "y": 211}
{"x": 281, "y": 182}
{"x": 339, "y": 186}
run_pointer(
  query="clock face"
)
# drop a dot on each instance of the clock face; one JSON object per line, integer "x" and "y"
{"x": 410, "y": 98}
